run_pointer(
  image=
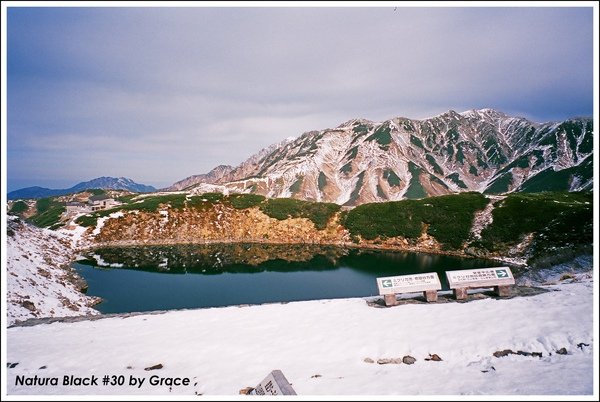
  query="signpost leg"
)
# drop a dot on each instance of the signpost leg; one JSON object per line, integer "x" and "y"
{"x": 460, "y": 293}
{"x": 390, "y": 300}
{"x": 502, "y": 291}
{"x": 430, "y": 295}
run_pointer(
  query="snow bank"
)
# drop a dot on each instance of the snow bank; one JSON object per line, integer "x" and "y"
{"x": 321, "y": 347}
{"x": 40, "y": 282}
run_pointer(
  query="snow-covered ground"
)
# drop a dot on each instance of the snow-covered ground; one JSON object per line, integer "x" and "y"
{"x": 326, "y": 347}
{"x": 40, "y": 282}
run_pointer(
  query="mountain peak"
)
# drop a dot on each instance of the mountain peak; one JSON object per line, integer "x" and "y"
{"x": 484, "y": 113}
{"x": 354, "y": 122}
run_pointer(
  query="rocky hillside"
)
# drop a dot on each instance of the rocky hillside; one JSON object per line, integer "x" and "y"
{"x": 210, "y": 217}
{"x": 538, "y": 228}
{"x": 40, "y": 282}
{"x": 362, "y": 161}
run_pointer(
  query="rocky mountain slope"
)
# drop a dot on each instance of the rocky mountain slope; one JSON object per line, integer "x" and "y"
{"x": 105, "y": 183}
{"x": 40, "y": 282}
{"x": 362, "y": 161}
{"x": 212, "y": 177}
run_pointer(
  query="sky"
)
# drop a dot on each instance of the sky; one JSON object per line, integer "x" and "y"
{"x": 159, "y": 94}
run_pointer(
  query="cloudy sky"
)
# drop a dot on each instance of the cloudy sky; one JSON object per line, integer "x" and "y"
{"x": 158, "y": 94}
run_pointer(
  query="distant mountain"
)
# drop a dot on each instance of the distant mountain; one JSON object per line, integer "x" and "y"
{"x": 34, "y": 192}
{"x": 113, "y": 183}
{"x": 106, "y": 183}
{"x": 363, "y": 161}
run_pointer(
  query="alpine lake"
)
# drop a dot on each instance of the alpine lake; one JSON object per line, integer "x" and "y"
{"x": 149, "y": 278}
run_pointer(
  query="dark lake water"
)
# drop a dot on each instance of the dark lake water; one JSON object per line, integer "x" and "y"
{"x": 191, "y": 276}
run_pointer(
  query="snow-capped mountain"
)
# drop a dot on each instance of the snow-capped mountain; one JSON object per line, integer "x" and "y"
{"x": 106, "y": 183}
{"x": 363, "y": 161}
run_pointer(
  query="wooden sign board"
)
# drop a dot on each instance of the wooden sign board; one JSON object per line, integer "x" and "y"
{"x": 481, "y": 277}
{"x": 274, "y": 384}
{"x": 409, "y": 283}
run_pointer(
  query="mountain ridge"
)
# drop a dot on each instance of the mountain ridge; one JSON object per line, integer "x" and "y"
{"x": 362, "y": 161}
{"x": 104, "y": 182}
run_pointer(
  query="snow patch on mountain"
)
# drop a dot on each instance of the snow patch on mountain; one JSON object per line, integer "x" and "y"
{"x": 484, "y": 218}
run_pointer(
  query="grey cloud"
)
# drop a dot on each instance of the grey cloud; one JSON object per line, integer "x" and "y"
{"x": 212, "y": 85}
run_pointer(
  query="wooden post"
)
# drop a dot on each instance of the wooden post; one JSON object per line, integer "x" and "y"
{"x": 390, "y": 300}
{"x": 460, "y": 293}
{"x": 502, "y": 291}
{"x": 430, "y": 295}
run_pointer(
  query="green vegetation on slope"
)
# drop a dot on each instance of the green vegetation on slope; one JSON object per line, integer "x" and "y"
{"x": 436, "y": 168}
{"x": 415, "y": 188}
{"x": 347, "y": 168}
{"x": 96, "y": 191}
{"x": 449, "y": 218}
{"x": 126, "y": 199}
{"x": 551, "y": 180}
{"x": 559, "y": 219}
{"x": 416, "y": 141}
{"x": 283, "y": 208}
{"x": 587, "y": 144}
{"x": 561, "y": 222}
{"x": 360, "y": 129}
{"x": 151, "y": 203}
{"x": 456, "y": 179}
{"x": 87, "y": 220}
{"x": 500, "y": 184}
{"x": 243, "y": 201}
{"x": 382, "y": 136}
{"x": 18, "y": 208}
{"x": 146, "y": 204}
{"x": 279, "y": 208}
{"x": 356, "y": 192}
{"x": 352, "y": 152}
{"x": 48, "y": 213}
{"x": 391, "y": 177}
{"x": 295, "y": 187}
{"x": 322, "y": 181}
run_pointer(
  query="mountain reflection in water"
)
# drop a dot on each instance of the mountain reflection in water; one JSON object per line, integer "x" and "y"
{"x": 132, "y": 278}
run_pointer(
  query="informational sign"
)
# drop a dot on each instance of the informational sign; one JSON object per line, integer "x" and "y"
{"x": 409, "y": 283}
{"x": 497, "y": 276}
{"x": 274, "y": 384}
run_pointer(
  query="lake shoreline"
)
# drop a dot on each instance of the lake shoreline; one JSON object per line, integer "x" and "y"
{"x": 513, "y": 262}
{"x": 146, "y": 278}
